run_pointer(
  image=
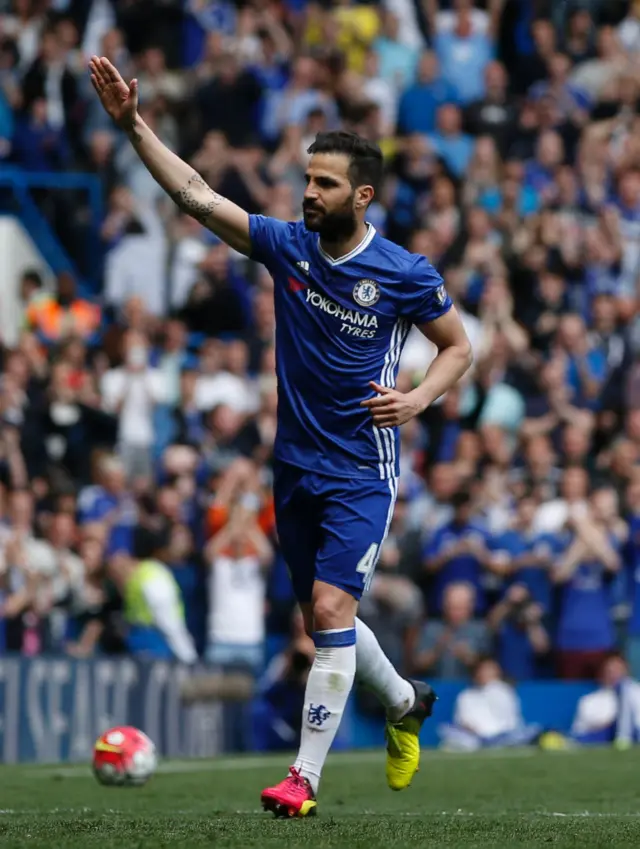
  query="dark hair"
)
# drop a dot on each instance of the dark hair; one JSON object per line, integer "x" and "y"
{"x": 32, "y": 276}
{"x": 460, "y": 499}
{"x": 366, "y": 162}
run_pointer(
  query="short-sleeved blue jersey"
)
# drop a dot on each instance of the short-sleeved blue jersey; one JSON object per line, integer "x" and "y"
{"x": 340, "y": 324}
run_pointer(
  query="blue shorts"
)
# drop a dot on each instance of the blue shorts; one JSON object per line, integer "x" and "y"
{"x": 331, "y": 529}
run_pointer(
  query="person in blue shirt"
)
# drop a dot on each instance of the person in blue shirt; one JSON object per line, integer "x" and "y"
{"x": 522, "y": 638}
{"x": 528, "y": 555}
{"x": 585, "y": 366}
{"x": 420, "y": 102}
{"x": 345, "y": 299}
{"x": 449, "y": 142}
{"x": 458, "y": 551}
{"x": 632, "y": 564}
{"x": 109, "y": 502}
{"x": 585, "y": 630}
{"x": 464, "y": 54}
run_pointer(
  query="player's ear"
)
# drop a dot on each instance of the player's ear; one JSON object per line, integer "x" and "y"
{"x": 364, "y": 196}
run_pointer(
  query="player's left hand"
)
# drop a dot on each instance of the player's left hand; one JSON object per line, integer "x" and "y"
{"x": 391, "y": 408}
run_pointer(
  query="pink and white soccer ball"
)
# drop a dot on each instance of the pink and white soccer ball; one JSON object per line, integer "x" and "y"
{"x": 124, "y": 757}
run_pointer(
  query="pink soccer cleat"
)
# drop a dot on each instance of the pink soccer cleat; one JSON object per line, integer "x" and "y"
{"x": 293, "y": 797}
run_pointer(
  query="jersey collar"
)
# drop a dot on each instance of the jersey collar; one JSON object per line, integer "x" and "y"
{"x": 371, "y": 232}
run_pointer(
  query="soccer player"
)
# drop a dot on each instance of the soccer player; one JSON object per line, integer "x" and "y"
{"x": 345, "y": 299}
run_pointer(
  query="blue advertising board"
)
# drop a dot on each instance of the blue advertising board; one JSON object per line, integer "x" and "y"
{"x": 53, "y": 709}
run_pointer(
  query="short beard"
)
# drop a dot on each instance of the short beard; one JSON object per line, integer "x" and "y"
{"x": 335, "y": 226}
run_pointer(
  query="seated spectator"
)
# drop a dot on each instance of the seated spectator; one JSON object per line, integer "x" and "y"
{"x": 522, "y": 639}
{"x": 609, "y": 715}
{"x": 487, "y": 715}
{"x": 449, "y": 649}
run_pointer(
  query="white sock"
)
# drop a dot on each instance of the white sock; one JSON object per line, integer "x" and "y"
{"x": 330, "y": 681}
{"x": 377, "y": 673}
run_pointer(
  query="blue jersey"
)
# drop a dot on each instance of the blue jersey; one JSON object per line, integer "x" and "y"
{"x": 340, "y": 324}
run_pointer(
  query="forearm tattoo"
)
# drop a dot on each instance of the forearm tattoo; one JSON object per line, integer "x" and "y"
{"x": 197, "y": 199}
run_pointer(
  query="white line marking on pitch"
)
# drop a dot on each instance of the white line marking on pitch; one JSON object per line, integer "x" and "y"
{"x": 403, "y": 814}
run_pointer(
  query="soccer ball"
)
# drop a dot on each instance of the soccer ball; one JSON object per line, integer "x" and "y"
{"x": 124, "y": 757}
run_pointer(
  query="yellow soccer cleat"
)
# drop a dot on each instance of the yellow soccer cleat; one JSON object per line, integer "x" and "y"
{"x": 403, "y": 738}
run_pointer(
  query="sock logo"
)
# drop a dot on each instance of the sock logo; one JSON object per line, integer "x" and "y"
{"x": 318, "y": 715}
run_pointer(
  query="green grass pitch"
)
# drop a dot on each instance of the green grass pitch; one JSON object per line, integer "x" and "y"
{"x": 497, "y": 800}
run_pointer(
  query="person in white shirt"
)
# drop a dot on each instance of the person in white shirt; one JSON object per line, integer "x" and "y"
{"x": 552, "y": 516}
{"x": 611, "y": 714}
{"x": 223, "y": 378}
{"x": 132, "y": 392}
{"x": 239, "y": 556}
{"x": 487, "y": 715}
{"x": 629, "y": 29}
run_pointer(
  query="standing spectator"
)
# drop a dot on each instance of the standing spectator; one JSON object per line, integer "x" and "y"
{"x": 449, "y": 142}
{"x": 153, "y": 607}
{"x": 57, "y": 317}
{"x": 132, "y": 391}
{"x": 458, "y": 552}
{"x": 464, "y": 46}
{"x": 420, "y": 102}
{"x": 238, "y": 556}
{"x": 585, "y": 630}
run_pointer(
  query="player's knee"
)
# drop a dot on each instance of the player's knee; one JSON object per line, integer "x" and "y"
{"x": 332, "y": 608}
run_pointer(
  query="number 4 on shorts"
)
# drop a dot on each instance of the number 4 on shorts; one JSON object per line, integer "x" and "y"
{"x": 367, "y": 564}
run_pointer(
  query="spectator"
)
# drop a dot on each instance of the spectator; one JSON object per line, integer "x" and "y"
{"x": 458, "y": 552}
{"x": 611, "y": 714}
{"x": 449, "y": 142}
{"x": 153, "y": 609}
{"x": 57, "y": 317}
{"x": 420, "y": 102}
{"x": 450, "y": 649}
{"x": 464, "y": 47}
{"x": 522, "y": 639}
{"x": 496, "y": 113}
{"x": 132, "y": 391}
{"x": 238, "y": 556}
{"x": 487, "y": 715}
{"x": 585, "y": 631}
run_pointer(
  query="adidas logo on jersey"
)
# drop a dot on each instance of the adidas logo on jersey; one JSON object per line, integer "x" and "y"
{"x": 303, "y": 266}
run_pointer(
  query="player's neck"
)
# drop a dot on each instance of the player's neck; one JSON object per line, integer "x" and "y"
{"x": 341, "y": 248}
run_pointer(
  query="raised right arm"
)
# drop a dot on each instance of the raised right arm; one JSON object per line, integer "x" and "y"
{"x": 184, "y": 185}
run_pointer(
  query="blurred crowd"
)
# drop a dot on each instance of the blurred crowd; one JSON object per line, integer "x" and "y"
{"x": 138, "y": 419}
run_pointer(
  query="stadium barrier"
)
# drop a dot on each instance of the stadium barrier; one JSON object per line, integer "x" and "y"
{"x": 53, "y": 709}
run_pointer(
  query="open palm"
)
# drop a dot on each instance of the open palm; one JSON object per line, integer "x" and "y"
{"x": 119, "y": 100}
